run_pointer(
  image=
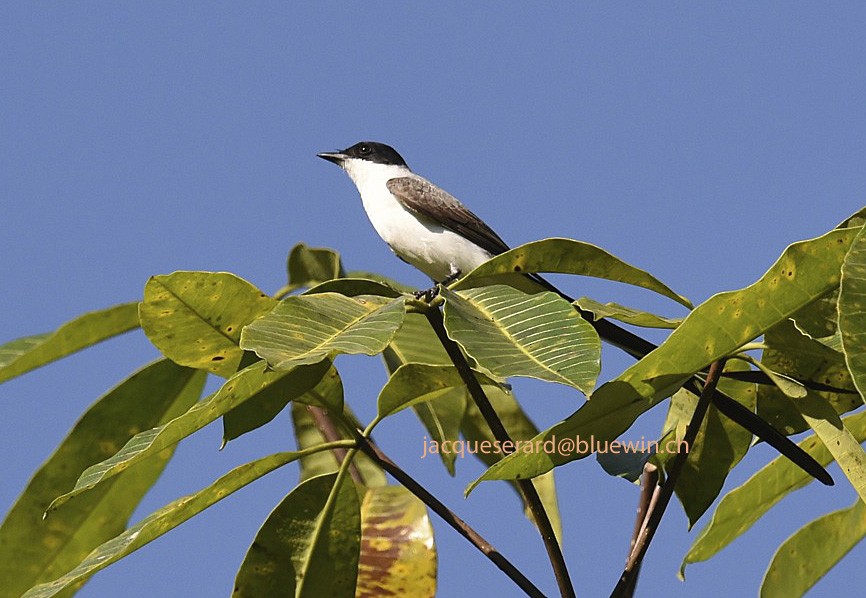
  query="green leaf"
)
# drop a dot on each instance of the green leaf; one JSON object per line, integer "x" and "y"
{"x": 195, "y": 318}
{"x": 24, "y": 354}
{"x": 162, "y": 521}
{"x": 716, "y": 328}
{"x": 721, "y": 444}
{"x": 328, "y": 394}
{"x": 625, "y": 314}
{"x": 454, "y": 412}
{"x": 789, "y": 387}
{"x": 308, "y": 435}
{"x": 855, "y": 220}
{"x": 314, "y": 536}
{"x": 565, "y": 256}
{"x": 308, "y": 328}
{"x": 819, "y": 318}
{"x": 32, "y": 550}
{"x": 310, "y": 265}
{"x": 353, "y": 287}
{"x": 628, "y": 465}
{"x": 416, "y": 383}
{"x": 519, "y": 427}
{"x": 810, "y": 553}
{"x": 242, "y": 386}
{"x": 416, "y": 342}
{"x": 398, "y": 555}
{"x": 510, "y": 333}
{"x": 384, "y": 280}
{"x": 308, "y": 546}
{"x": 743, "y": 506}
{"x": 264, "y": 406}
{"x": 852, "y": 310}
{"x": 794, "y": 354}
{"x": 843, "y": 445}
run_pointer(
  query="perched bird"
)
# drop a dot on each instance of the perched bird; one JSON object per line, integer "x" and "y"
{"x": 433, "y": 231}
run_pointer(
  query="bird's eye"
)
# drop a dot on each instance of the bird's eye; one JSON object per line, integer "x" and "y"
{"x": 364, "y": 150}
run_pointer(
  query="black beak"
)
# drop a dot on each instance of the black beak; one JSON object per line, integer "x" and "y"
{"x": 335, "y": 157}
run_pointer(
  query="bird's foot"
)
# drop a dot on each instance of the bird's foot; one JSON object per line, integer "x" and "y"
{"x": 429, "y": 294}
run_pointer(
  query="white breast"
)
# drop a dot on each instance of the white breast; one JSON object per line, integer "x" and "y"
{"x": 436, "y": 251}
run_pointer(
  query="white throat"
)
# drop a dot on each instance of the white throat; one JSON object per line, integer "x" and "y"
{"x": 424, "y": 243}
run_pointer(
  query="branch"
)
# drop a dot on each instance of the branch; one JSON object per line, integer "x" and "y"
{"x": 628, "y": 579}
{"x": 649, "y": 495}
{"x": 527, "y": 488}
{"x": 366, "y": 446}
{"x": 329, "y": 430}
{"x": 330, "y": 433}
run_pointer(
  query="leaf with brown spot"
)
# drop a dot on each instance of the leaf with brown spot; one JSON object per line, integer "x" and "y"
{"x": 704, "y": 336}
{"x": 195, "y": 318}
{"x": 398, "y": 554}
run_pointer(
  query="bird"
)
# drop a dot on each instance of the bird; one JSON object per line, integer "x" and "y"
{"x": 433, "y": 231}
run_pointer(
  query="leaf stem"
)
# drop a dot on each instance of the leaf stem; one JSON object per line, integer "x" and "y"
{"x": 627, "y": 581}
{"x": 369, "y": 448}
{"x": 527, "y": 488}
{"x": 330, "y": 433}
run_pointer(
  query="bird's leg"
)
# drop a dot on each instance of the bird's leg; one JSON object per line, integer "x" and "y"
{"x": 429, "y": 294}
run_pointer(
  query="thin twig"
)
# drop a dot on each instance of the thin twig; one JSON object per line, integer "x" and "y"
{"x": 649, "y": 495}
{"x": 330, "y": 433}
{"x": 527, "y": 488}
{"x": 461, "y": 527}
{"x": 627, "y": 580}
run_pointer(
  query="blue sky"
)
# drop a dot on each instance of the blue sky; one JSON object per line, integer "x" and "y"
{"x": 693, "y": 141}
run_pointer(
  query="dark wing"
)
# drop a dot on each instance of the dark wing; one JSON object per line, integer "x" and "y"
{"x": 428, "y": 200}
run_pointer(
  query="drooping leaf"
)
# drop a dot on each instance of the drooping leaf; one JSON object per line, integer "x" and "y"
{"x": 309, "y": 435}
{"x": 398, "y": 555}
{"x": 852, "y": 310}
{"x": 195, "y": 318}
{"x": 720, "y": 445}
{"x": 520, "y": 428}
{"x": 34, "y": 551}
{"x": 813, "y": 550}
{"x": 792, "y": 353}
{"x": 510, "y": 333}
{"x": 24, "y": 354}
{"x": 384, "y": 280}
{"x": 716, "y": 328}
{"x": 353, "y": 287}
{"x": 565, "y": 256}
{"x": 242, "y": 386}
{"x": 310, "y": 265}
{"x": 416, "y": 342}
{"x": 743, "y": 506}
{"x": 308, "y": 546}
{"x": 266, "y": 404}
{"x": 329, "y": 392}
{"x": 785, "y": 384}
{"x": 161, "y": 522}
{"x": 628, "y": 465}
{"x": 416, "y": 383}
{"x": 447, "y": 416}
{"x": 308, "y": 328}
{"x": 625, "y": 314}
{"x": 838, "y": 439}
